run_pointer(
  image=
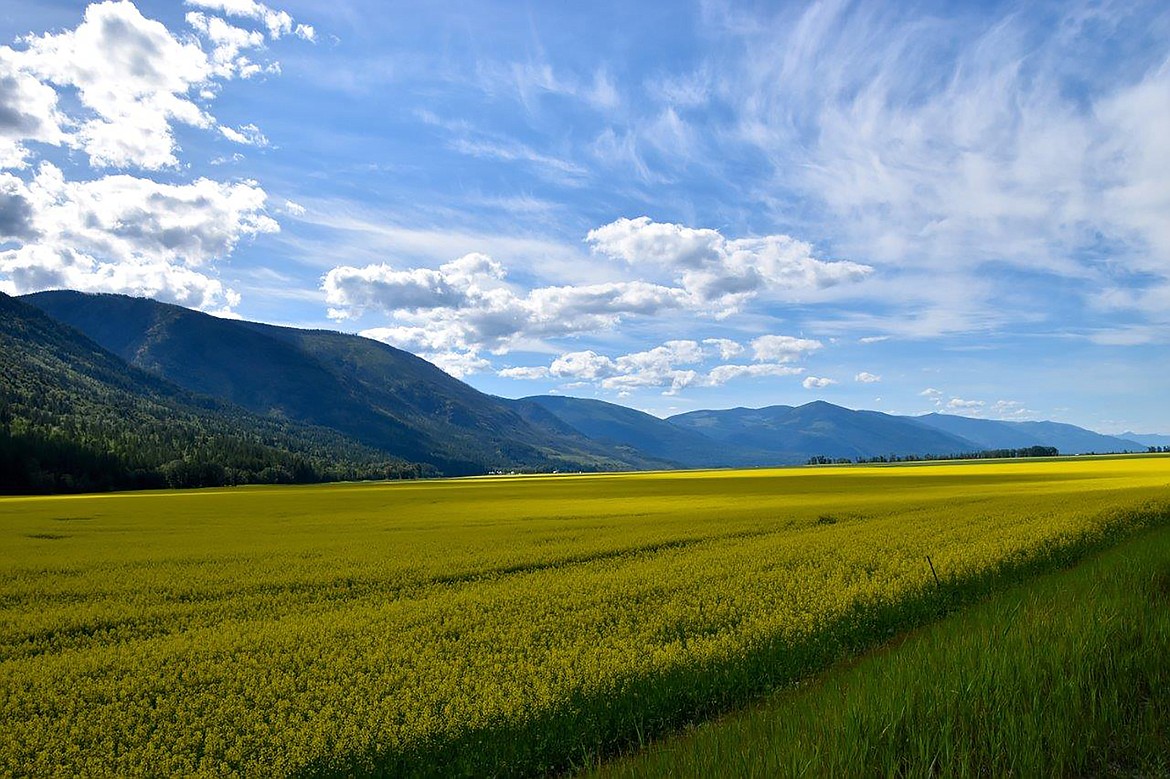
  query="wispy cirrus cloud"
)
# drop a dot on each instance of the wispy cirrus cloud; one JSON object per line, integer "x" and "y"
{"x": 1027, "y": 142}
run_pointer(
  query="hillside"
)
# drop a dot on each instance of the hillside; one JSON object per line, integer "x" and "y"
{"x": 994, "y": 434}
{"x": 617, "y": 425}
{"x": 73, "y": 416}
{"x": 794, "y": 434}
{"x": 384, "y": 397}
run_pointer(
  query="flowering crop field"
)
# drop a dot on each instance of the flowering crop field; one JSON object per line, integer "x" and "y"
{"x": 491, "y": 626}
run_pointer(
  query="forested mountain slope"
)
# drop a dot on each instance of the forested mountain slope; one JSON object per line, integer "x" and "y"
{"x": 384, "y": 397}
{"x": 73, "y": 416}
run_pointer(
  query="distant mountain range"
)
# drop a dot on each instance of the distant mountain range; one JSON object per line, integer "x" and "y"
{"x": 378, "y": 401}
{"x": 1148, "y": 439}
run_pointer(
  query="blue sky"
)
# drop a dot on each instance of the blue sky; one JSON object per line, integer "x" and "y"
{"x": 900, "y": 206}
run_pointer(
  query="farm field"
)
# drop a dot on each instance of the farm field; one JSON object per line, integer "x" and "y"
{"x": 1064, "y": 675}
{"x": 508, "y": 625}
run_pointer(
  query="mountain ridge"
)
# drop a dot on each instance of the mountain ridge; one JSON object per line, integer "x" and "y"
{"x": 74, "y": 416}
{"x": 384, "y": 397}
{"x": 402, "y": 405}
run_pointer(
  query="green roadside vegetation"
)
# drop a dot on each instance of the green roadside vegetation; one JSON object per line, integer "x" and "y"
{"x": 1065, "y": 675}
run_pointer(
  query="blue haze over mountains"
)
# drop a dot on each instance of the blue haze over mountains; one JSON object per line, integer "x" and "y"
{"x": 400, "y": 404}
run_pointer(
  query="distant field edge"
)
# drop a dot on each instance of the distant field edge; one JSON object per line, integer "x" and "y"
{"x": 630, "y": 713}
{"x": 1061, "y": 675}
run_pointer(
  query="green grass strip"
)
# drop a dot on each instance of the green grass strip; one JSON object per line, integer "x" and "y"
{"x": 1066, "y": 675}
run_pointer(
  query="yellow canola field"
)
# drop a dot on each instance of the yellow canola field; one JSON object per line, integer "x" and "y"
{"x": 519, "y": 622}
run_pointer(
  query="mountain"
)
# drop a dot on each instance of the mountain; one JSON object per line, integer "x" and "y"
{"x": 794, "y": 434}
{"x": 73, "y": 416}
{"x": 1070, "y": 439}
{"x": 384, "y": 397}
{"x": 985, "y": 433}
{"x": 389, "y": 403}
{"x": 1147, "y": 439}
{"x": 994, "y": 434}
{"x": 620, "y": 426}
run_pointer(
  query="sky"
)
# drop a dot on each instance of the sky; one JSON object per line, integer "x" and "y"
{"x": 900, "y": 206}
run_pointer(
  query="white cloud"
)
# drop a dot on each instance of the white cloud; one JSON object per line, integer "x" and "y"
{"x": 721, "y": 274}
{"x": 603, "y": 94}
{"x": 459, "y": 364}
{"x": 227, "y": 43}
{"x": 685, "y": 91}
{"x": 814, "y": 382}
{"x": 727, "y": 347}
{"x": 1010, "y": 409}
{"x": 132, "y": 74}
{"x": 588, "y": 365}
{"x": 115, "y": 87}
{"x": 673, "y": 366}
{"x": 948, "y": 143}
{"x": 28, "y": 112}
{"x": 867, "y": 378}
{"x": 561, "y": 170}
{"x": 129, "y": 80}
{"x": 524, "y": 373}
{"x": 722, "y": 374}
{"x": 959, "y": 404}
{"x": 126, "y": 234}
{"x": 468, "y": 304}
{"x": 782, "y": 348}
{"x": 248, "y": 135}
{"x": 278, "y": 23}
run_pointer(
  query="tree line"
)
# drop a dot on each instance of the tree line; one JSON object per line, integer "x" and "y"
{"x": 986, "y": 454}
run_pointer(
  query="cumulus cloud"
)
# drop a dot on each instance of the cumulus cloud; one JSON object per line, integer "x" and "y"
{"x": 468, "y": 304}
{"x": 783, "y": 348}
{"x": 16, "y": 210}
{"x": 964, "y": 405}
{"x": 722, "y": 374}
{"x": 672, "y": 366}
{"x": 132, "y": 75}
{"x": 459, "y": 364}
{"x": 866, "y": 377}
{"x": 657, "y": 367}
{"x": 815, "y": 382}
{"x": 28, "y": 112}
{"x": 126, "y": 234}
{"x": 727, "y": 347}
{"x": 718, "y": 273}
{"x": 115, "y": 87}
{"x": 134, "y": 81}
{"x": 524, "y": 373}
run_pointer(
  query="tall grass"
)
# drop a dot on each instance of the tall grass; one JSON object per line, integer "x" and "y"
{"x": 1067, "y": 675}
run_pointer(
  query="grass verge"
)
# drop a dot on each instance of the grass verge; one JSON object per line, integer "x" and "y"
{"x": 1066, "y": 675}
